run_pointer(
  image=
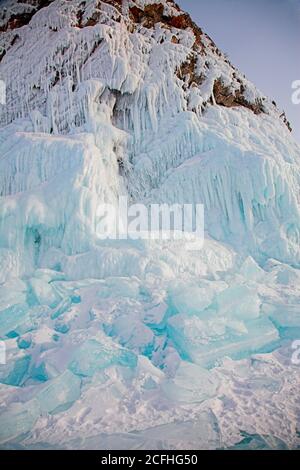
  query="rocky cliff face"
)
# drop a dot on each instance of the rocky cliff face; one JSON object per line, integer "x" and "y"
{"x": 201, "y": 62}
{"x": 14, "y": 15}
{"x": 229, "y": 87}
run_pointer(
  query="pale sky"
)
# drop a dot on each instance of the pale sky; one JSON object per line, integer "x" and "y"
{"x": 261, "y": 38}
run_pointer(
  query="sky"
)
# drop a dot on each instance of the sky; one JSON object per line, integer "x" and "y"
{"x": 261, "y": 38}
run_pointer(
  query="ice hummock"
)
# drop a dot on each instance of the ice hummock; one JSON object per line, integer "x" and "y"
{"x": 59, "y": 393}
{"x": 208, "y": 342}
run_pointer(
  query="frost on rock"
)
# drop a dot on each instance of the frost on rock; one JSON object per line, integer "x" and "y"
{"x": 142, "y": 343}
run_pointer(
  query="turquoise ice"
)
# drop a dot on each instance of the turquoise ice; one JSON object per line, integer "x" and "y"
{"x": 18, "y": 419}
{"x": 92, "y": 356}
{"x": 206, "y": 342}
{"x": 60, "y": 393}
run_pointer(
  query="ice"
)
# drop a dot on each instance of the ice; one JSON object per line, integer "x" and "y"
{"x": 12, "y": 317}
{"x": 209, "y": 175}
{"x": 93, "y": 356}
{"x": 18, "y": 419}
{"x": 155, "y": 316}
{"x": 61, "y": 327}
{"x": 207, "y": 341}
{"x": 257, "y": 442}
{"x": 191, "y": 299}
{"x": 38, "y": 373}
{"x": 239, "y": 301}
{"x": 16, "y": 371}
{"x": 62, "y": 308}
{"x": 24, "y": 342}
{"x": 60, "y": 393}
{"x": 134, "y": 334}
{"x": 103, "y": 262}
{"x": 201, "y": 434}
{"x": 135, "y": 128}
{"x": 44, "y": 293}
{"x": 20, "y": 319}
{"x": 191, "y": 384}
{"x": 9, "y": 263}
{"x": 251, "y": 271}
{"x": 120, "y": 287}
{"x": 286, "y": 318}
{"x": 282, "y": 273}
{"x": 12, "y": 293}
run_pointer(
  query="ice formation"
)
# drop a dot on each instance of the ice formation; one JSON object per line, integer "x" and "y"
{"x": 117, "y": 344}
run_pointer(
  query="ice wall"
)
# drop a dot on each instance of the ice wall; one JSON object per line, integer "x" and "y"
{"x": 105, "y": 96}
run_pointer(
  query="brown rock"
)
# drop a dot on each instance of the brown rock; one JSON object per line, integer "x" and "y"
{"x": 187, "y": 72}
{"x": 148, "y": 17}
{"x": 225, "y": 97}
{"x": 21, "y": 19}
{"x": 2, "y": 54}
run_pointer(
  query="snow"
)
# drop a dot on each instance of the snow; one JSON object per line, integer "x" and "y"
{"x": 135, "y": 343}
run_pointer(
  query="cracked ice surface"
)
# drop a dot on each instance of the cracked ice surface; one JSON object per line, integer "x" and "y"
{"x": 104, "y": 367}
